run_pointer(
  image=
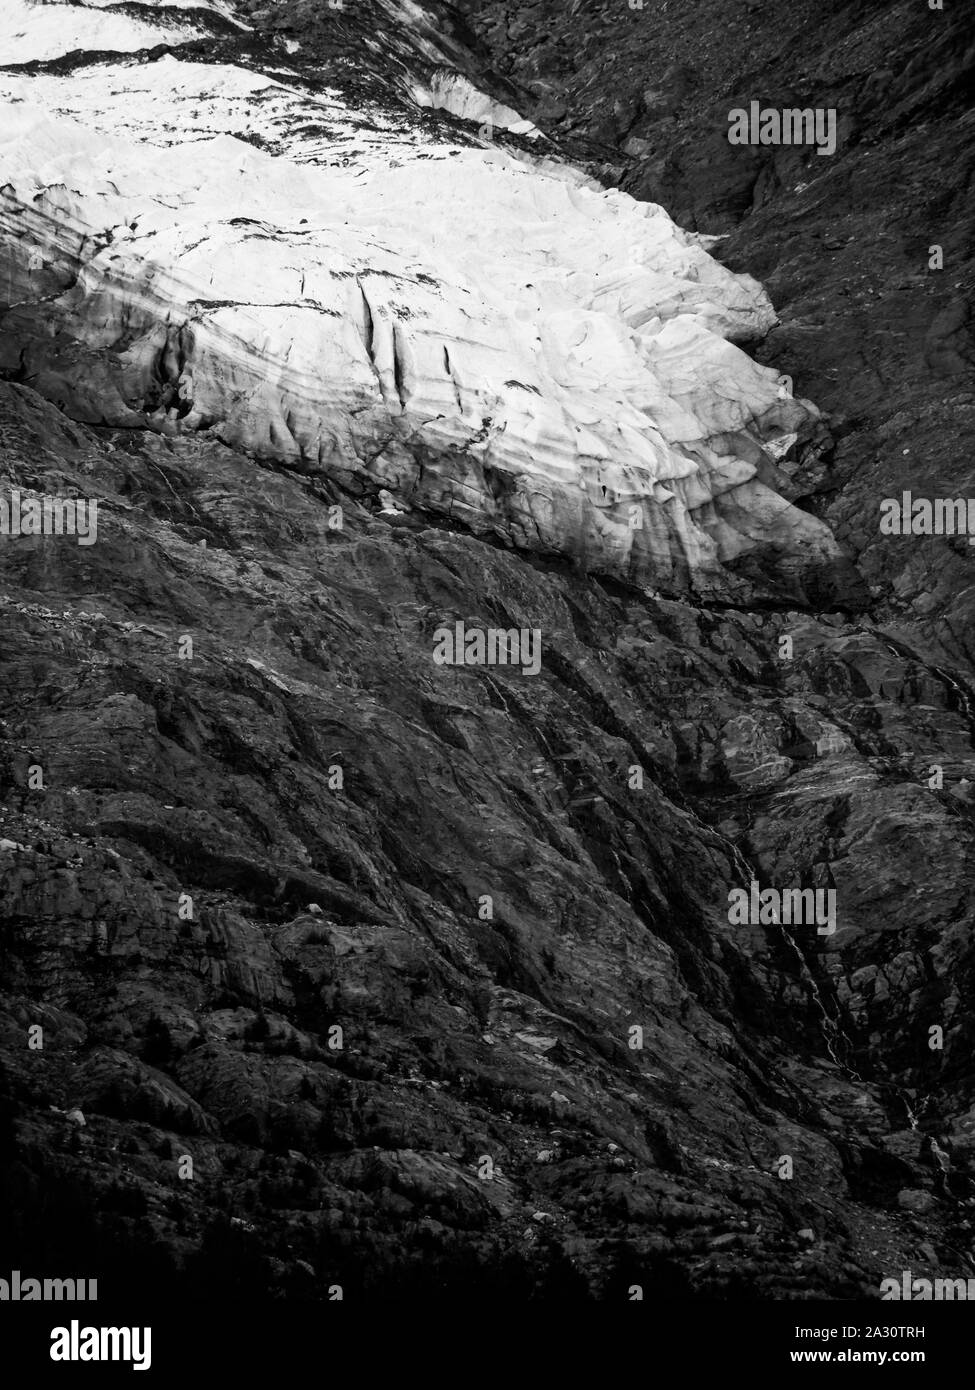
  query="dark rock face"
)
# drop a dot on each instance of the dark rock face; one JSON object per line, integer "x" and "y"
{"x": 429, "y": 970}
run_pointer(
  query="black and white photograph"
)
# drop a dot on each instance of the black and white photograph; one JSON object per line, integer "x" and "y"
{"x": 487, "y": 680}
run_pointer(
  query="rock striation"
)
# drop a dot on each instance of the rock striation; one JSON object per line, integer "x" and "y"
{"x": 428, "y": 968}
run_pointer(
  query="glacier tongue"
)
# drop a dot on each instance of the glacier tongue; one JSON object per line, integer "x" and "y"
{"x": 490, "y": 336}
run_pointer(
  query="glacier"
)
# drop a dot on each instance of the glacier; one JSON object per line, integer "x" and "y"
{"x": 349, "y": 288}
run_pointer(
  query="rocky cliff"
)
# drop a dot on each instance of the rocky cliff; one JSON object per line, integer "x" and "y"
{"x": 354, "y": 969}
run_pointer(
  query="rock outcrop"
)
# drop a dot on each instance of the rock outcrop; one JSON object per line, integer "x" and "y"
{"x": 428, "y": 970}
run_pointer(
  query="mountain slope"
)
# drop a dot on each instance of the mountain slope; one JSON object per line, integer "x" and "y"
{"x": 267, "y": 814}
